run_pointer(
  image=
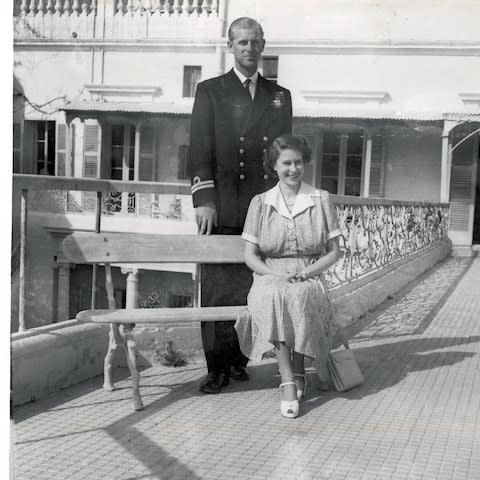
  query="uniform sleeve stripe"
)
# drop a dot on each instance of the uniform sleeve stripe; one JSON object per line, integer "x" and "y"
{"x": 201, "y": 185}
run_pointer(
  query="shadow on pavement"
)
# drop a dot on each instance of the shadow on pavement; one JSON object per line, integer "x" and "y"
{"x": 386, "y": 365}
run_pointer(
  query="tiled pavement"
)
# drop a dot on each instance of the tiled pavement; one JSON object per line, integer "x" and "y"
{"x": 416, "y": 417}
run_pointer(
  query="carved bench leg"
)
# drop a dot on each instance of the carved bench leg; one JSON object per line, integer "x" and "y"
{"x": 125, "y": 339}
{"x": 114, "y": 339}
{"x": 130, "y": 350}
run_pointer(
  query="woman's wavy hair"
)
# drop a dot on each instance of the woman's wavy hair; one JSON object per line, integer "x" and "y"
{"x": 287, "y": 141}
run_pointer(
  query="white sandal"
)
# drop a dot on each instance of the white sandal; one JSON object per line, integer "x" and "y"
{"x": 289, "y": 408}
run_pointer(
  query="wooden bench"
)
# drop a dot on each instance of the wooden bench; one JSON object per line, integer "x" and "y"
{"x": 128, "y": 248}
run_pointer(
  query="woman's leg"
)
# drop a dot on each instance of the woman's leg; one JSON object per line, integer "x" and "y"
{"x": 289, "y": 392}
{"x": 298, "y": 363}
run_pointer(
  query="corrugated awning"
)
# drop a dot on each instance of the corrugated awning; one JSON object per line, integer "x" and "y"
{"x": 185, "y": 109}
{"x": 165, "y": 108}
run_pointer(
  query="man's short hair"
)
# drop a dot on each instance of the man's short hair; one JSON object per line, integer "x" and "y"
{"x": 244, "y": 22}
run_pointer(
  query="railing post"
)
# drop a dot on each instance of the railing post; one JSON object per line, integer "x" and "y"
{"x": 23, "y": 259}
{"x": 367, "y": 166}
{"x": 132, "y": 287}
{"x": 63, "y": 306}
{"x": 98, "y": 216}
{"x": 197, "y": 286}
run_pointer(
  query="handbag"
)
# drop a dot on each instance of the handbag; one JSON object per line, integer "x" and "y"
{"x": 344, "y": 369}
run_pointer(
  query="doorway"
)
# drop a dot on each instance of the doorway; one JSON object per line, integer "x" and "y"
{"x": 476, "y": 211}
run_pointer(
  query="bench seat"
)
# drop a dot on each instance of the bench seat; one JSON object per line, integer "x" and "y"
{"x": 161, "y": 315}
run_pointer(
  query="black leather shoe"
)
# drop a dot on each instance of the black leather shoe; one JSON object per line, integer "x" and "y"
{"x": 238, "y": 373}
{"x": 213, "y": 382}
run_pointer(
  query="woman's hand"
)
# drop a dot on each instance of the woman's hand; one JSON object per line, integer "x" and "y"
{"x": 297, "y": 277}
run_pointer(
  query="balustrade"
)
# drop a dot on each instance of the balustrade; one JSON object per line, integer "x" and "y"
{"x": 54, "y": 7}
{"x": 166, "y": 7}
{"x": 121, "y": 7}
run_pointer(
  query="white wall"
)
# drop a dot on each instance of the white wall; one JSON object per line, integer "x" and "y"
{"x": 48, "y": 73}
{"x": 154, "y": 68}
{"x": 414, "y": 84}
{"x": 364, "y": 20}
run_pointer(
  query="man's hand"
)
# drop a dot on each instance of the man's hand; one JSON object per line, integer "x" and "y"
{"x": 206, "y": 217}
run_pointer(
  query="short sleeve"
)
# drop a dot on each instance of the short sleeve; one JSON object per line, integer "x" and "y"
{"x": 332, "y": 226}
{"x": 251, "y": 226}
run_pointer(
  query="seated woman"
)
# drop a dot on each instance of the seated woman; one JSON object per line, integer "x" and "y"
{"x": 291, "y": 234}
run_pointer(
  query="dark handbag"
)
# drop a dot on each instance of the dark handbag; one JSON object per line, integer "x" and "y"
{"x": 344, "y": 369}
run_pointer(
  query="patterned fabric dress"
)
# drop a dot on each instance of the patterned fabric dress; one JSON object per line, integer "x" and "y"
{"x": 299, "y": 314}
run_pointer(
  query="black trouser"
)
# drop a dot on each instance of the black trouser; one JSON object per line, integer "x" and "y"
{"x": 223, "y": 285}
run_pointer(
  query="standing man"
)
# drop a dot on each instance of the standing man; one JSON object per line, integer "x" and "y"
{"x": 235, "y": 118}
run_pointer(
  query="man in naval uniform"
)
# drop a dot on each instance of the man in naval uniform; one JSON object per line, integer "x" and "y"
{"x": 235, "y": 118}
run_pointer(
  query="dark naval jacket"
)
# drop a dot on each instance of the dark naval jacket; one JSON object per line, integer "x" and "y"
{"x": 229, "y": 137}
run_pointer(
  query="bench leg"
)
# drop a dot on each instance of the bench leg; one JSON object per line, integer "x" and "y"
{"x": 130, "y": 349}
{"x": 114, "y": 340}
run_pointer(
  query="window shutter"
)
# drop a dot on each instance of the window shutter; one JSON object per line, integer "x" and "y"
{"x": 91, "y": 149}
{"x": 377, "y": 166}
{"x": 17, "y": 148}
{"x": 61, "y": 149}
{"x": 92, "y": 135}
{"x": 310, "y": 168}
{"x": 146, "y": 154}
{"x": 462, "y": 185}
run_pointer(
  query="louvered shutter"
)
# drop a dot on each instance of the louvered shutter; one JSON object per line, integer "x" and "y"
{"x": 146, "y": 154}
{"x": 92, "y": 136}
{"x": 146, "y": 168}
{"x": 309, "y": 133}
{"x": 17, "y": 148}
{"x": 377, "y": 166}
{"x": 61, "y": 149}
{"x": 462, "y": 189}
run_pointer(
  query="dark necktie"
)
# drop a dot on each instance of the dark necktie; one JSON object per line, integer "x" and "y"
{"x": 247, "y": 84}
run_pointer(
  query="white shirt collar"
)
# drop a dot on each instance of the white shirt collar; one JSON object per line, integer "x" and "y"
{"x": 242, "y": 77}
{"x": 303, "y": 201}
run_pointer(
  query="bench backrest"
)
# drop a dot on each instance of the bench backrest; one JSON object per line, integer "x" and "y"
{"x": 86, "y": 247}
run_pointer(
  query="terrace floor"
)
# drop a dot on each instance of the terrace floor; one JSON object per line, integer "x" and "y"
{"x": 417, "y": 416}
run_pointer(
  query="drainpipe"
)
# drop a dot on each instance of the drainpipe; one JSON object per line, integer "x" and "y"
{"x": 219, "y": 48}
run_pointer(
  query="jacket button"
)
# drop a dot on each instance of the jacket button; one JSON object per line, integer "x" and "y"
{"x": 242, "y": 177}
{"x": 265, "y": 177}
{"x": 265, "y": 139}
{"x": 242, "y": 164}
{"x": 242, "y": 150}
{"x": 242, "y": 139}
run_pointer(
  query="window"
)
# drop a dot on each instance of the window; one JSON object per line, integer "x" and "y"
{"x": 179, "y": 301}
{"x": 191, "y": 77}
{"x": 183, "y": 162}
{"x": 342, "y": 156}
{"x": 122, "y": 167}
{"x": 270, "y": 68}
{"x": 123, "y": 152}
{"x": 44, "y": 148}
